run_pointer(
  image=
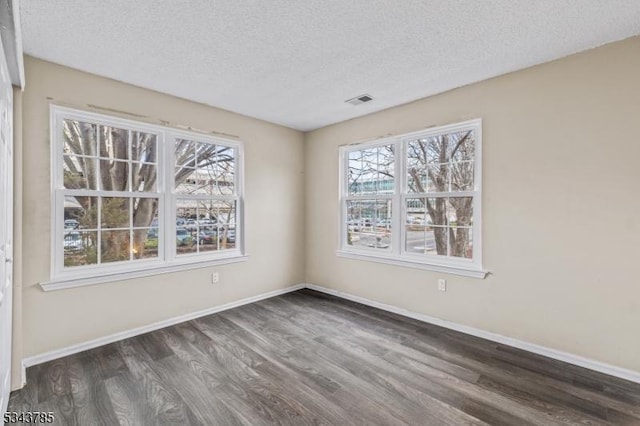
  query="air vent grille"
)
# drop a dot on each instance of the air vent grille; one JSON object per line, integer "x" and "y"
{"x": 359, "y": 99}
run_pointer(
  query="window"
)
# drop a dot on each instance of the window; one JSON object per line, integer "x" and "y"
{"x": 414, "y": 199}
{"x": 130, "y": 197}
{"x": 206, "y": 197}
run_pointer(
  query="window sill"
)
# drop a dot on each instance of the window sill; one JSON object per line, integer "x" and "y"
{"x": 62, "y": 283}
{"x": 464, "y": 270}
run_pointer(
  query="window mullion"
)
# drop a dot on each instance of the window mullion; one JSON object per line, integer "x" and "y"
{"x": 57, "y": 203}
{"x": 441, "y": 194}
{"x": 131, "y": 194}
{"x": 169, "y": 220}
{"x": 99, "y": 187}
{"x": 94, "y": 193}
{"x": 131, "y": 247}
{"x": 343, "y": 168}
{"x": 397, "y": 230}
{"x": 98, "y": 162}
{"x": 369, "y": 197}
{"x": 99, "y": 232}
{"x": 205, "y": 197}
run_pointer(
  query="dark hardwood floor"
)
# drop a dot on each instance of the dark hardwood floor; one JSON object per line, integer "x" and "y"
{"x": 308, "y": 358}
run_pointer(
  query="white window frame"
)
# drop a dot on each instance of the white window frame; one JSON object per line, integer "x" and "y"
{"x": 397, "y": 254}
{"x": 167, "y": 260}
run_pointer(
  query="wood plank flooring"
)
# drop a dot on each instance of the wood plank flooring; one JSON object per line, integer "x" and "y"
{"x": 308, "y": 358}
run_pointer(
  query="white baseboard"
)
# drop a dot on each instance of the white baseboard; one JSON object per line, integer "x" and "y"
{"x": 73, "y": 349}
{"x": 601, "y": 367}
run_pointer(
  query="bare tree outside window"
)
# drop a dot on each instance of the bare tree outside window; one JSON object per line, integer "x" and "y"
{"x": 440, "y": 167}
{"x": 111, "y": 210}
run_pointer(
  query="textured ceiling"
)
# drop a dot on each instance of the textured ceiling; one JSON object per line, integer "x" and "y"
{"x": 295, "y": 62}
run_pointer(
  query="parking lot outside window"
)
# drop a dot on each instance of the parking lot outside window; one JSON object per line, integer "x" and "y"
{"x": 415, "y": 199}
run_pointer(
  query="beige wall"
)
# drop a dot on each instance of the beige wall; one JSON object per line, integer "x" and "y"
{"x": 274, "y": 223}
{"x": 561, "y": 207}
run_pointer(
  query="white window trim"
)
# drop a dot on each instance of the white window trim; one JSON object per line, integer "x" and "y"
{"x": 167, "y": 260}
{"x": 141, "y": 272}
{"x": 397, "y": 254}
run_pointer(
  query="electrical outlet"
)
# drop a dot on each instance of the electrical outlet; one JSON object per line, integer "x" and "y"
{"x": 215, "y": 277}
{"x": 442, "y": 284}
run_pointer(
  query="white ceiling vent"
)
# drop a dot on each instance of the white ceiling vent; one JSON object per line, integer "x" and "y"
{"x": 359, "y": 99}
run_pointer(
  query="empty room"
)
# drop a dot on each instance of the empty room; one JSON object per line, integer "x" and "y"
{"x": 336, "y": 212}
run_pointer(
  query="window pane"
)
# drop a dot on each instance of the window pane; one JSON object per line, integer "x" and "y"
{"x": 438, "y": 178}
{"x": 460, "y": 242}
{"x": 416, "y": 208}
{"x": 420, "y": 239}
{"x": 460, "y": 211}
{"x": 216, "y": 171}
{"x": 417, "y": 166}
{"x": 208, "y": 239}
{"x": 425, "y": 226}
{"x": 417, "y": 179}
{"x": 186, "y": 212}
{"x": 185, "y": 243}
{"x": 222, "y": 212}
{"x": 144, "y": 147}
{"x": 436, "y": 211}
{"x": 80, "y": 212}
{"x": 226, "y": 170}
{"x": 462, "y": 176}
{"x": 441, "y": 163}
{"x": 80, "y": 248}
{"x": 370, "y": 171}
{"x": 437, "y": 148}
{"x": 203, "y": 168}
{"x": 187, "y": 226}
{"x": 80, "y": 172}
{"x": 205, "y": 154}
{"x": 437, "y": 220}
{"x": 186, "y": 181}
{"x": 115, "y": 212}
{"x": 226, "y": 219}
{"x": 207, "y": 212}
{"x": 115, "y": 246}
{"x": 227, "y": 237}
{"x": 114, "y": 143}
{"x": 462, "y": 146}
{"x": 185, "y": 153}
{"x": 206, "y": 227}
{"x": 439, "y": 226}
{"x": 114, "y": 175}
{"x": 145, "y": 243}
{"x": 145, "y": 211}
{"x": 427, "y": 211}
{"x": 369, "y": 223}
{"x": 460, "y": 216}
{"x": 80, "y": 138}
{"x": 144, "y": 177}
{"x": 423, "y": 177}
{"x": 430, "y": 179}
